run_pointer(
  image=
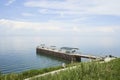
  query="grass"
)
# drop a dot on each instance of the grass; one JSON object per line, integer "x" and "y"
{"x": 27, "y": 74}
{"x": 84, "y": 71}
{"x": 89, "y": 71}
{"x": 30, "y": 73}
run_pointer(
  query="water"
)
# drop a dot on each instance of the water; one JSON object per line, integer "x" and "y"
{"x": 18, "y": 54}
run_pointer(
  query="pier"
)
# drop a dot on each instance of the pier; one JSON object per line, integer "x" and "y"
{"x": 69, "y": 54}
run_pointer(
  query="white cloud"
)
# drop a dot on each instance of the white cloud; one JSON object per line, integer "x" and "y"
{"x": 43, "y": 11}
{"x": 103, "y": 29}
{"x": 98, "y": 7}
{"x": 27, "y": 14}
{"x": 106, "y": 7}
{"x": 15, "y": 25}
{"x": 56, "y": 26}
{"x": 10, "y": 2}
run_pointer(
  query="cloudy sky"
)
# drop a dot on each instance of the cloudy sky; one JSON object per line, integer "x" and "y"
{"x": 59, "y": 17}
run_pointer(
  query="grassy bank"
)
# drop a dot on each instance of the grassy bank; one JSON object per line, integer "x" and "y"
{"x": 89, "y": 71}
{"x": 27, "y": 74}
{"x": 30, "y": 73}
{"x": 84, "y": 71}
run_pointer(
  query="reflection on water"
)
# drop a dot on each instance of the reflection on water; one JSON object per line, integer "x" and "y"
{"x": 19, "y": 53}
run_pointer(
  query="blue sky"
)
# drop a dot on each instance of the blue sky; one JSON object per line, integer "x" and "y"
{"x": 59, "y": 17}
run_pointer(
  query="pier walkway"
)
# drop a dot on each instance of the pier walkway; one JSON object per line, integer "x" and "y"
{"x": 63, "y": 55}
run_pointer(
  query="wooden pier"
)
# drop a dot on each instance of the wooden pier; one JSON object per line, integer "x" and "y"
{"x": 66, "y": 56}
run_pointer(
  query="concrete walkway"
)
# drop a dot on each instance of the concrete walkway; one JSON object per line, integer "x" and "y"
{"x": 48, "y": 73}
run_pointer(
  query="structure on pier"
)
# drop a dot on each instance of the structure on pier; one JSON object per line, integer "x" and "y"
{"x": 68, "y": 50}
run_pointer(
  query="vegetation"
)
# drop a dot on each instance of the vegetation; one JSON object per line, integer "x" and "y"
{"x": 89, "y": 71}
{"x": 83, "y": 71}
{"x": 26, "y": 74}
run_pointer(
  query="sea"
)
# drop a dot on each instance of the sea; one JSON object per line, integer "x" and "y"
{"x": 18, "y": 53}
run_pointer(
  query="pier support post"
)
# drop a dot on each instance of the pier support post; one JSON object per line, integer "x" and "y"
{"x": 78, "y": 58}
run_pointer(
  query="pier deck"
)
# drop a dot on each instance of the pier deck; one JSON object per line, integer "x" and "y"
{"x": 67, "y": 56}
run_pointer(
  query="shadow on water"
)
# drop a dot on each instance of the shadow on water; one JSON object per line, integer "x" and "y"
{"x": 52, "y": 57}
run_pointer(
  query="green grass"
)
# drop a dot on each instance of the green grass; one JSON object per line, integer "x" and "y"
{"x": 27, "y": 74}
{"x": 89, "y": 71}
{"x": 84, "y": 71}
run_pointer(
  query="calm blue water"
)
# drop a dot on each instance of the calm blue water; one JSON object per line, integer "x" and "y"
{"x": 19, "y": 53}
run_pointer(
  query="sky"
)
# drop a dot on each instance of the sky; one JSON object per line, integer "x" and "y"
{"x": 60, "y": 18}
